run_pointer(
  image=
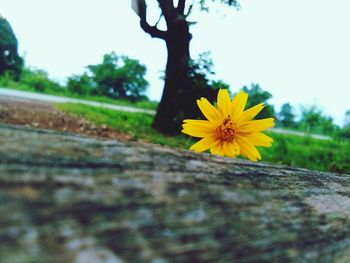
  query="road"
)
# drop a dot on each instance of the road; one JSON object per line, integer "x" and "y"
{"x": 59, "y": 99}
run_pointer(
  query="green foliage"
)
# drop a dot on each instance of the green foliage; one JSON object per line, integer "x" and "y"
{"x": 138, "y": 125}
{"x": 286, "y": 116}
{"x": 39, "y": 80}
{"x": 10, "y": 61}
{"x": 200, "y": 72}
{"x": 286, "y": 149}
{"x": 347, "y": 118}
{"x": 204, "y": 4}
{"x": 313, "y": 120}
{"x": 119, "y": 77}
{"x": 258, "y": 95}
{"x": 308, "y": 153}
{"x": 343, "y": 133}
{"x": 80, "y": 84}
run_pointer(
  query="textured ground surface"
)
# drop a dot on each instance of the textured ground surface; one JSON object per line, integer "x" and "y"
{"x": 67, "y": 198}
{"x": 37, "y": 114}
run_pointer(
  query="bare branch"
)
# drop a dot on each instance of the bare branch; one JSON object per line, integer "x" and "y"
{"x": 152, "y": 30}
{"x": 189, "y": 10}
{"x": 160, "y": 17}
{"x": 140, "y": 8}
{"x": 167, "y": 7}
{"x": 181, "y": 7}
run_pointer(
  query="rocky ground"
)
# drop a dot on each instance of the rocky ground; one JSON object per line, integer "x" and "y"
{"x": 38, "y": 114}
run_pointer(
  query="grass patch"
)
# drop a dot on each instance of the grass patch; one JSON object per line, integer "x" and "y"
{"x": 306, "y": 152}
{"x": 137, "y": 125}
{"x": 290, "y": 150}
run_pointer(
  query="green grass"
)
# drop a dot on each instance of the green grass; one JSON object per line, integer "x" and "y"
{"x": 8, "y": 83}
{"x": 138, "y": 125}
{"x": 290, "y": 150}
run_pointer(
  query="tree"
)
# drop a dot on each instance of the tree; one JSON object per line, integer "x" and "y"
{"x": 119, "y": 77}
{"x": 327, "y": 125}
{"x": 287, "y": 116}
{"x": 10, "y": 61}
{"x": 80, "y": 84}
{"x": 258, "y": 95}
{"x": 347, "y": 118}
{"x": 180, "y": 94}
{"x": 310, "y": 117}
{"x": 202, "y": 85}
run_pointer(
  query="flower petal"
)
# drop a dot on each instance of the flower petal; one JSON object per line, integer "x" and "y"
{"x": 238, "y": 104}
{"x": 217, "y": 149}
{"x": 224, "y": 102}
{"x": 247, "y": 149}
{"x": 200, "y": 123}
{"x": 204, "y": 144}
{"x": 259, "y": 139}
{"x": 249, "y": 114}
{"x": 198, "y": 132}
{"x": 231, "y": 149}
{"x": 255, "y": 125}
{"x": 208, "y": 110}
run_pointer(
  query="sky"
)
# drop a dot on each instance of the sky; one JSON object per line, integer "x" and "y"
{"x": 297, "y": 50}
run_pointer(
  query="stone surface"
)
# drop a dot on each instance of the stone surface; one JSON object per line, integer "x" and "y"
{"x": 68, "y": 198}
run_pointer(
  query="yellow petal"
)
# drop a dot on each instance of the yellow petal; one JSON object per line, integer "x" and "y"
{"x": 259, "y": 139}
{"x": 255, "y": 125}
{"x": 249, "y": 114}
{"x": 247, "y": 149}
{"x": 224, "y": 102}
{"x": 231, "y": 149}
{"x": 196, "y": 132}
{"x": 200, "y": 123}
{"x": 208, "y": 110}
{"x": 217, "y": 149}
{"x": 204, "y": 144}
{"x": 238, "y": 104}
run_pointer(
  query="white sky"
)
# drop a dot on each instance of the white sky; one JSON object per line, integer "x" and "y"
{"x": 297, "y": 50}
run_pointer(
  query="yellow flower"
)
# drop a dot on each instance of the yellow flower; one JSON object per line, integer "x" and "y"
{"x": 230, "y": 130}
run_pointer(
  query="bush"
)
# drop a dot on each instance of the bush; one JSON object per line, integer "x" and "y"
{"x": 39, "y": 81}
{"x": 80, "y": 84}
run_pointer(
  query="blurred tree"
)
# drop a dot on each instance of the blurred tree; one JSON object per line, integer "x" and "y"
{"x": 119, "y": 77}
{"x": 9, "y": 59}
{"x": 347, "y": 118}
{"x": 344, "y": 132}
{"x": 313, "y": 120}
{"x": 310, "y": 117}
{"x": 327, "y": 125}
{"x": 80, "y": 84}
{"x": 286, "y": 116}
{"x": 258, "y": 95}
{"x": 39, "y": 80}
{"x": 178, "y": 97}
{"x": 200, "y": 72}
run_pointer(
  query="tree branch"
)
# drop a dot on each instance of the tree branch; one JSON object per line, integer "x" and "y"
{"x": 167, "y": 7}
{"x": 181, "y": 7}
{"x": 189, "y": 10}
{"x": 141, "y": 8}
{"x": 152, "y": 30}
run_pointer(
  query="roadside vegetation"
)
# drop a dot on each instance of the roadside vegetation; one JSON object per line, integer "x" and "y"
{"x": 116, "y": 80}
{"x": 290, "y": 150}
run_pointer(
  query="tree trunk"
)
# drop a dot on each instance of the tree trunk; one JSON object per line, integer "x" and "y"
{"x": 67, "y": 198}
{"x": 174, "y": 103}
{"x": 180, "y": 94}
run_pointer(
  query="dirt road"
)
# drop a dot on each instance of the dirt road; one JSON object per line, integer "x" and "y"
{"x": 41, "y": 114}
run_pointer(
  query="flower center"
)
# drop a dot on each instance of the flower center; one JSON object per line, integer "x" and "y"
{"x": 226, "y": 131}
